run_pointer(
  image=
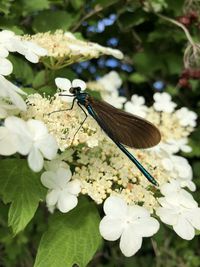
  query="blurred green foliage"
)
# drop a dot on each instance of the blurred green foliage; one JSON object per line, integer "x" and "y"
{"x": 153, "y": 49}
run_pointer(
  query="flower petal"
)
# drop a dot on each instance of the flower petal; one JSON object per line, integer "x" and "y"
{"x": 35, "y": 160}
{"x": 37, "y": 128}
{"x": 184, "y": 229}
{"x": 63, "y": 177}
{"x": 79, "y": 83}
{"x": 130, "y": 241}
{"x": 24, "y": 140}
{"x": 115, "y": 206}
{"x": 52, "y": 197}
{"x": 110, "y": 228}
{"x": 74, "y": 187}
{"x": 7, "y": 142}
{"x": 66, "y": 202}
{"x": 63, "y": 84}
{"x": 6, "y": 66}
{"x": 136, "y": 212}
{"x": 146, "y": 227}
{"x": 49, "y": 180}
{"x": 193, "y": 216}
{"x": 168, "y": 216}
{"x": 48, "y": 146}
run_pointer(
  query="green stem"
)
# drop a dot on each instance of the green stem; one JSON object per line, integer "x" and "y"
{"x": 180, "y": 25}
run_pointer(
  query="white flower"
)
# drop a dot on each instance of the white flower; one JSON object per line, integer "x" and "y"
{"x": 176, "y": 145}
{"x": 6, "y": 66}
{"x": 65, "y": 84}
{"x": 136, "y": 106}
{"x": 129, "y": 223}
{"x": 6, "y": 109}
{"x": 92, "y": 142}
{"x": 32, "y": 139}
{"x": 178, "y": 165}
{"x": 32, "y": 51}
{"x": 180, "y": 169}
{"x": 62, "y": 192}
{"x": 180, "y": 210}
{"x": 9, "y": 42}
{"x": 115, "y": 100}
{"x": 8, "y": 140}
{"x": 163, "y": 102}
{"x": 111, "y": 81}
{"x": 11, "y": 92}
{"x": 186, "y": 117}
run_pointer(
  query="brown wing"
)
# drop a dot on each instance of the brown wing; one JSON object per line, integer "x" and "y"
{"x": 124, "y": 127}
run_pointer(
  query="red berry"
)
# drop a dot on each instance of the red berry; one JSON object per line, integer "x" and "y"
{"x": 193, "y": 15}
{"x": 185, "y": 73}
{"x": 184, "y": 20}
{"x": 183, "y": 82}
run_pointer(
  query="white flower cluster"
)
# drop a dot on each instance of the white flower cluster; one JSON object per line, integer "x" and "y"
{"x": 101, "y": 171}
{"x": 10, "y": 98}
{"x": 64, "y": 48}
{"x": 108, "y": 86}
{"x": 110, "y": 176}
{"x": 30, "y": 137}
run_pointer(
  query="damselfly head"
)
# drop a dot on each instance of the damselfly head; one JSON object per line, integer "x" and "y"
{"x": 75, "y": 90}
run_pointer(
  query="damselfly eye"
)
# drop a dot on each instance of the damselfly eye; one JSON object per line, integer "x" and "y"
{"x": 74, "y": 90}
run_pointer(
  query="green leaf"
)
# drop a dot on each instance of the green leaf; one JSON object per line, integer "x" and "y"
{"x": 148, "y": 62}
{"x": 29, "y": 90}
{"x": 72, "y": 238}
{"x": 137, "y": 78}
{"x": 22, "y": 69}
{"x": 47, "y": 90}
{"x": 34, "y": 5}
{"x": 5, "y": 6}
{"x": 130, "y": 19}
{"x": 21, "y": 187}
{"x": 52, "y": 20}
{"x": 77, "y": 3}
{"x": 104, "y": 3}
{"x": 39, "y": 79}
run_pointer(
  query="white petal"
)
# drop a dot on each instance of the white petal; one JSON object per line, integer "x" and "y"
{"x": 52, "y": 197}
{"x": 193, "y": 216}
{"x": 66, "y": 202}
{"x": 6, "y": 66}
{"x": 64, "y": 176}
{"x": 37, "y": 128}
{"x": 74, "y": 187}
{"x": 130, "y": 242}
{"x": 17, "y": 100}
{"x": 18, "y": 126}
{"x": 79, "y": 83}
{"x": 30, "y": 56}
{"x": 168, "y": 216}
{"x": 49, "y": 180}
{"x": 115, "y": 206}
{"x": 35, "y": 160}
{"x": 63, "y": 84}
{"x": 55, "y": 164}
{"x": 48, "y": 146}
{"x": 3, "y": 51}
{"x": 184, "y": 229}
{"x": 111, "y": 228}
{"x": 7, "y": 142}
{"x": 136, "y": 212}
{"x": 146, "y": 227}
{"x": 169, "y": 188}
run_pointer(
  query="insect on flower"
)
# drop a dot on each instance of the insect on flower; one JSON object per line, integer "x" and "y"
{"x": 122, "y": 127}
